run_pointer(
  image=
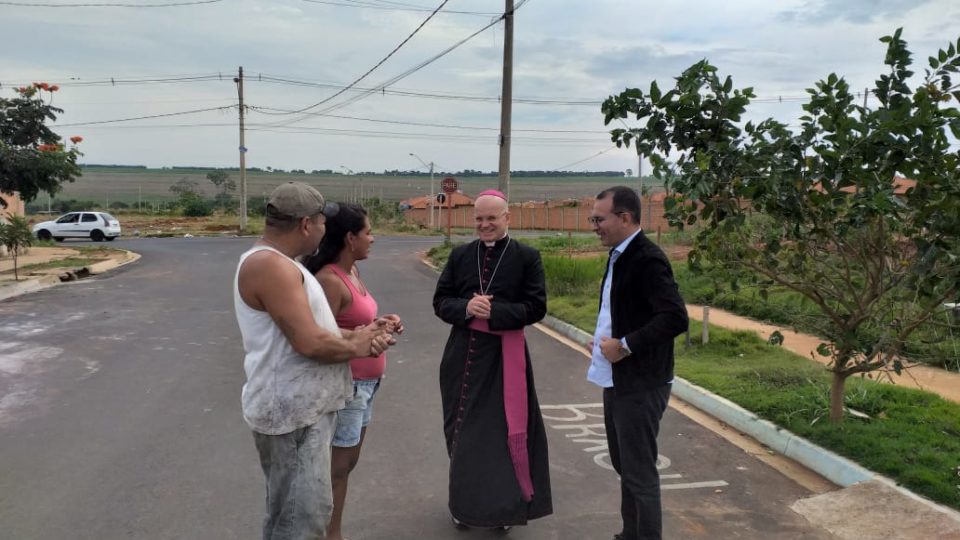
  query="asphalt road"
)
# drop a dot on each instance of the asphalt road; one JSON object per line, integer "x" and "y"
{"x": 120, "y": 418}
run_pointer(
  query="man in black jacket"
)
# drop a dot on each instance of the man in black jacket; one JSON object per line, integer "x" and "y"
{"x": 640, "y": 314}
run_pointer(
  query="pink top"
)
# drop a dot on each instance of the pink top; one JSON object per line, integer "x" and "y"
{"x": 361, "y": 311}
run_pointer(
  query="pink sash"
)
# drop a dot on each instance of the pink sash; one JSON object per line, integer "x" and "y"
{"x": 514, "y": 400}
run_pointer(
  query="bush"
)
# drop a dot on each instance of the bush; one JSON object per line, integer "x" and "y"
{"x": 195, "y": 206}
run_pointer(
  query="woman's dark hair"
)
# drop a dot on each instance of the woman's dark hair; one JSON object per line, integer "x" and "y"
{"x": 352, "y": 218}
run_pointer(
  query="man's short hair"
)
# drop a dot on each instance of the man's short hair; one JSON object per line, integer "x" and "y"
{"x": 625, "y": 201}
{"x": 291, "y": 201}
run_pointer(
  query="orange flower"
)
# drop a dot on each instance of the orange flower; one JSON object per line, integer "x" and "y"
{"x": 48, "y": 147}
{"x": 76, "y": 139}
{"x": 54, "y": 87}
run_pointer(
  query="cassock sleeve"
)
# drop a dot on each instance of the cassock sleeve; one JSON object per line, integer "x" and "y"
{"x": 531, "y": 305}
{"x": 447, "y": 303}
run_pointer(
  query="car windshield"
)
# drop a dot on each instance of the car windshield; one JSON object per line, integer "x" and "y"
{"x": 107, "y": 216}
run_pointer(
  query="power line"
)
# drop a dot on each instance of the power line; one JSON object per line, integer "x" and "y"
{"x": 263, "y": 110}
{"x": 414, "y": 135}
{"x": 378, "y": 64}
{"x": 396, "y": 6}
{"x": 598, "y": 154}
{"x": 132, "y": 81}
{"x": 105, "y": 4}
{"x": 403, "y": 75}
{"x": 164, "y": 115}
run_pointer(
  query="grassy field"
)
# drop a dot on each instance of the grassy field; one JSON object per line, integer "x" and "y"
{"x": 109, "y": 184}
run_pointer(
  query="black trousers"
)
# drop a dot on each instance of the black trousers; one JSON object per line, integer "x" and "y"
{"x": 632, "y": 423}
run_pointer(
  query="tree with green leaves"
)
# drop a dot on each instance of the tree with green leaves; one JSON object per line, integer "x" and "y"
{"x": 827, "y": 210}
{"x": 32, "y": 157}
{"x": 225, "y": 185}
{"x": 16, "y": 237}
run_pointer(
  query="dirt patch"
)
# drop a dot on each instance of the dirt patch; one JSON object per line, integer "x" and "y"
{"x": 221, "y": 228}
{"x": 939, "y": 381}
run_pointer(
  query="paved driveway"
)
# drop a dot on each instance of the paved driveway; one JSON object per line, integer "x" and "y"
{"x": 119, "y": 418}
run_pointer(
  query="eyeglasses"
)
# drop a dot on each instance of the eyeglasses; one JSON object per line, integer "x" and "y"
{"x": 596, "y": 220}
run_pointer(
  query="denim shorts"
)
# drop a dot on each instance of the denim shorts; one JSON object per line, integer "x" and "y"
{"x": 356, "y": 415}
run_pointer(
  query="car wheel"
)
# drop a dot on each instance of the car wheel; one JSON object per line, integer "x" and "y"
{"x": 110, "y": 238}
{"x": 96, "y": 235}
{"x": 44, "y": 234}
{"x": 58, "y": 238}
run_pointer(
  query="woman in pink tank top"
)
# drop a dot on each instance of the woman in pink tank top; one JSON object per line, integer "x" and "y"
{"x": 348, "y": 240}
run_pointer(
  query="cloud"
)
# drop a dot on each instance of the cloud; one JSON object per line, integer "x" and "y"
{"x": 853, "y": 11}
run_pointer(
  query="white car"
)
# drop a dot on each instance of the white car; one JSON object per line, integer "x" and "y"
{"x": 97, "y": 226}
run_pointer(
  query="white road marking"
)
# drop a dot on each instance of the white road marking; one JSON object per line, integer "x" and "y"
{"x": 576, "y": 422}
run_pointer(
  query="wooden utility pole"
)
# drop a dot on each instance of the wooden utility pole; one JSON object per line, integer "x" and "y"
{"x": 506, "y": 100}
{"x": 243, "y": 157}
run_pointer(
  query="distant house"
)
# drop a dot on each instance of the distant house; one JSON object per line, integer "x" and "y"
{"x": 900, "y": 186}
{"x": 422, "y": 202}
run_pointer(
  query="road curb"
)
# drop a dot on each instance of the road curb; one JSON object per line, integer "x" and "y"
{"x": 45, "y": 282}
{"x": 105, "y": 266}
{"x": 833, "y": 467}
{"x": 28, "y": 286}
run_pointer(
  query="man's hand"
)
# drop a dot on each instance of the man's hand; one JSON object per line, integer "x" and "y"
{"x": 479, "y": 306}
{"x": 612, "y": 349}
{"x": 371, "y": 340}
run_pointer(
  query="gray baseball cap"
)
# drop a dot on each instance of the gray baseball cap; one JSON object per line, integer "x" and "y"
{"x": 295, "y": 200}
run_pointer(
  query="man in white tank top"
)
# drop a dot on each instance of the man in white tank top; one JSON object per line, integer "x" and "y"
{"x": 296, "y": 362}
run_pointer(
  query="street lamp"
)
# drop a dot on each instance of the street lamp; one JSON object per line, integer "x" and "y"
{"x": 432, "y": 193}
{"x": 350, "y": 171}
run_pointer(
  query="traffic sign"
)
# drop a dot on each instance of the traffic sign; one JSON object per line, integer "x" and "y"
{"x": 449, "y": 184}
{"x": 441, "y": 198}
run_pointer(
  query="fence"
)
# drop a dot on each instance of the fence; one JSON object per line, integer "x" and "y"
{"x": 567, "y": 215}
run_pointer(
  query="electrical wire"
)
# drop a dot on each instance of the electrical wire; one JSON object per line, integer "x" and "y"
{"x": 598, "y": 154}
{"x": 264, "y": 110}
{"x": 109, "y": 4}
{"x": 132, "y": 81}
{"x": 395, "y": 6}
{"x": 164, "y": 115}
{"x": 378, "y": 64}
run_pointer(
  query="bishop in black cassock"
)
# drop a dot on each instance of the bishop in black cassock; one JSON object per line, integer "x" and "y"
{"x": 488, "y": 486}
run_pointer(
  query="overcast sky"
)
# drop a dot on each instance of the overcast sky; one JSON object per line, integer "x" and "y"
{"x": 569, "y": 53}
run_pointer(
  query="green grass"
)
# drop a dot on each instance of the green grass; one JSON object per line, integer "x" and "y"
{"x": 937, "y": 345}
{"x": 70, "y": 262}
{"x": 913, "y": 436}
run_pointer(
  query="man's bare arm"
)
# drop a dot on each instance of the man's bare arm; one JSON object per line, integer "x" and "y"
{"x": 273, "y": 285}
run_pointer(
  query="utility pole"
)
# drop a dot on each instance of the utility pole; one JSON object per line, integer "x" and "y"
{"x": 506, "y": 103}
{"x": 640, "y": 173}
{"x": 243, "y": 157}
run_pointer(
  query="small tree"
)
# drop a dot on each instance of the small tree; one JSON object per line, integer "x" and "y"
{"x": 32, "y": 157}
{"x": 16, "y": 237}
{"x": 185, "y": 186}
{"x": 819, "y": 211}
{"x": 225, "y": 185}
